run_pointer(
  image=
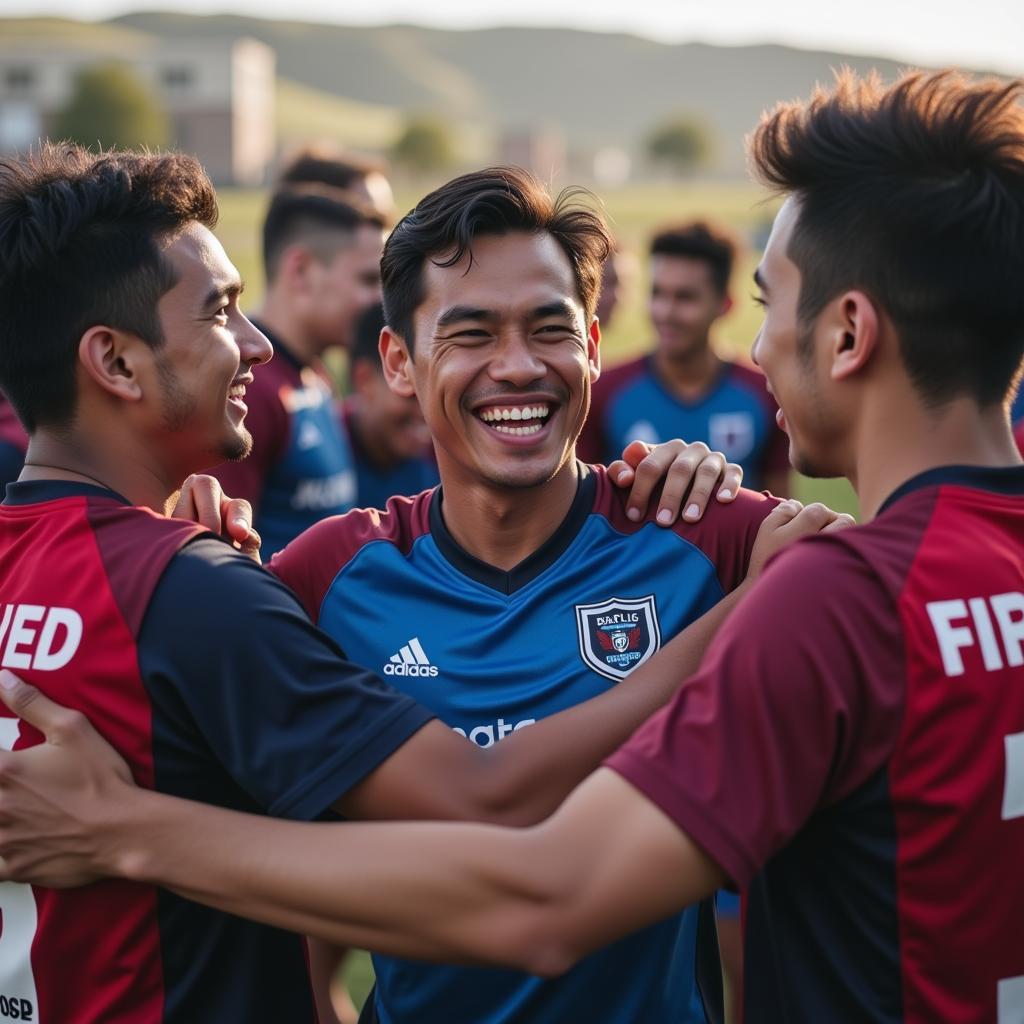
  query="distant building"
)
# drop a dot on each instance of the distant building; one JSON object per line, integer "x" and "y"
{"x": 219, "y": 95}
{"x": 540, "y": 150}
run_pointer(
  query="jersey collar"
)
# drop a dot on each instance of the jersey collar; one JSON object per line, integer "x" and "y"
{"x": 508, "y": 582}
{"x": 998, "y": 479}
{"x": 33, "y": 492}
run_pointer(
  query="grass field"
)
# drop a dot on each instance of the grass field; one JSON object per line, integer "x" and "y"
{"x": 634, "y": 213}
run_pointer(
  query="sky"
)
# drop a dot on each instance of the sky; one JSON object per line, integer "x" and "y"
{"x": 983, "y": 33}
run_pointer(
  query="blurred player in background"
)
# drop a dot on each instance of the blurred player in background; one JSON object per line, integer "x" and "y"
{"x": 684, "y": 388}
{"x": 390, "y": 440}
{"x": 617, "y": 273}
{"x": 361, "y": 181}
{"x": 321, "y": 258}
{"x": 852, "y": 748}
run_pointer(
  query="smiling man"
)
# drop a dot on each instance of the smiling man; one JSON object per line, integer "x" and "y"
{"x": 852, "y": 747}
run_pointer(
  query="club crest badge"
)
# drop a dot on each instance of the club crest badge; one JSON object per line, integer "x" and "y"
{"x": 618, "y": 635}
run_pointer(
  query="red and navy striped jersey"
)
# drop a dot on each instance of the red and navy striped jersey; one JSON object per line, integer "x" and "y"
{"x": 852, "y": 749}
{"x": 203, "y": 671}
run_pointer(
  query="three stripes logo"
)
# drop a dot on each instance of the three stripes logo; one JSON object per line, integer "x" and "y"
{"x": 411, "y": 660}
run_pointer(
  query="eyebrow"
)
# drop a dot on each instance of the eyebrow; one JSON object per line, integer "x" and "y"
{"x": 228, "y": 290}
{"x": 456, "y": 314}
{"x": 759, "y": 281}
{"x": 560, "y": 307}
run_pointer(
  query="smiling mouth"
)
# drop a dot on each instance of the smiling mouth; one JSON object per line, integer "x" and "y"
{"x": 516, "y": 420}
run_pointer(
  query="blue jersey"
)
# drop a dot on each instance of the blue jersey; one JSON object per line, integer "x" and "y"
{"x": 491, "y": 652}
{"x": 300, "y": 469}
{"x": 736, "y": 416}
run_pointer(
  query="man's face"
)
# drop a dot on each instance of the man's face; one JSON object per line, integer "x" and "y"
{"x": 789, "y": 354}
{"x": 683, "y": 305}
{"x": 504, "y": 359}
{"x": 344, "y": 287}
{"x": 200, "y": 372}
{"x": 395, "y": 421}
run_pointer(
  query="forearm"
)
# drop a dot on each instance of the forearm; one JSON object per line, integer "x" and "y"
{"x": 537, "y": 899}
{"x": 526, "y": 776}
{"x": 443, "y": 892}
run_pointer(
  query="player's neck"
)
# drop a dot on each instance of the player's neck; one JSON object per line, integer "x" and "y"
{"x": 128, "y": 469}
{"x": 504, "y": 526}
{"x": 277, "y": 317}
{"x": 959, "y": 434}
{"x": 688, "y": 374}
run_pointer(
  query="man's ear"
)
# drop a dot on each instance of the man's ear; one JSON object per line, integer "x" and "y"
{"x": 594, "y": 349}
{"x": 853, "y": 332}
{"x": 112, "y": 359}
{"x": 294, "y": 268}
{"x": 397, "y": 363}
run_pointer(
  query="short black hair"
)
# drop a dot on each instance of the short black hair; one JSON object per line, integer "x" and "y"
{"x": 79, "y": 237}
{"x": 314, "y": 215}
{"x": 322, "y": 165}
{"x": 366, "y": 342}
{"x": 495, "y": 201}
{"x": 913, "y": 193}
{"x": 699, "y": 240}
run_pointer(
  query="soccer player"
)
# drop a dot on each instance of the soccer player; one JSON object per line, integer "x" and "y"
{"x": 321, "y": 258}
{"x": 852, "y": 747}
{"x": 198, "y": 665}
{"x": 362, "y": 182}
{"x": 684, "y": 388}
{"x": 390, "y": 440}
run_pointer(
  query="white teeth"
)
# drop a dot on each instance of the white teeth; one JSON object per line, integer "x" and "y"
{"x": 533, "y": 428}
{"x": 516, "y": 412}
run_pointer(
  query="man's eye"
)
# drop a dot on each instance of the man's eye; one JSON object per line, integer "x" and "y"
{"x": 759, "y": 301}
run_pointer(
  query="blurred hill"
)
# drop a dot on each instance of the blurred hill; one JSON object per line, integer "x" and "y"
{"x": 597, "y": 89}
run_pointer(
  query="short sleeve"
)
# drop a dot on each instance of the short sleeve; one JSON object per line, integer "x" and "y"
{"x": 797, "y": 702}
{"x": 270, "y": 695}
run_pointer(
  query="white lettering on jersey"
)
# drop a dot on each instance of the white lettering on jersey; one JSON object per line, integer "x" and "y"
{"x": 1000, "y": 616}
{"x": 28, "y": 646}
{"x": 18, "y": 922}
{"x": 488, "y": 735}
{"x": 1010, "y": 1001}
{"x": 328, "y": 492}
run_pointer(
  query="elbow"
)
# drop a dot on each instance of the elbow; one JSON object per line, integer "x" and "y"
{"x": 540, "y": 935}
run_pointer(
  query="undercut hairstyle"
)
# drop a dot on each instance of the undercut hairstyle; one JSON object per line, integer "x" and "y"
{"x": 913, "y": 194}
{"x": 80, "y": 238}
{"x": 315, "y": 216}
{"x": 496, "y": 201}
{"x": 320, "y": 165}
{"x": 699, "y": 240}
{"x": 366, "y": 343}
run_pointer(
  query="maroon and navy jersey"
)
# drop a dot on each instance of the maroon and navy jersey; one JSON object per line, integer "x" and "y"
{"x": 852, "y": 750}
{"x": 203, "y": 671}
{"x": 735, "y": 416}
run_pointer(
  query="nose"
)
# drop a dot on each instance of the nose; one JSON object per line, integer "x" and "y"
{"x": 515, "y": 362}
{"x": 253, "y": 345}
{"x": 754, "y": 347}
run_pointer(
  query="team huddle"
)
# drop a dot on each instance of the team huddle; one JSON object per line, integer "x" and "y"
{"x": 560, "y": 721}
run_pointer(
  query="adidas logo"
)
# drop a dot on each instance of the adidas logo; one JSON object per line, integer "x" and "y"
{"x": 411, "y": 660}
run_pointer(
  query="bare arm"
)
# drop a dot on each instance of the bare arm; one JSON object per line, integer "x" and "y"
{"x": 535, "y": 898}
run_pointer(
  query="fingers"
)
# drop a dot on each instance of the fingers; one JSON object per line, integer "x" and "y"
{"x": 53, "y": 720}
{"x": 200, "y": 500}
{"x": 251, "y": 546}
{"x": 236, "y": 513}
{"x": 713, "y": 474}
{"x": 675, "y": 463}
{"x": 841, "y": 522}
{"x": 621, "y": 470}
